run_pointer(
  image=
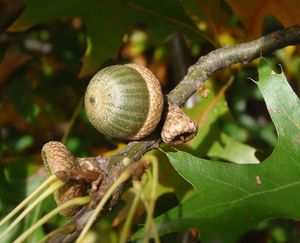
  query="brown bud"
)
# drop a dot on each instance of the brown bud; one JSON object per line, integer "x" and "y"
{"x": 77, "y": 173}
{"x": 57, "y": 157}
{"x": 178, "y": 127}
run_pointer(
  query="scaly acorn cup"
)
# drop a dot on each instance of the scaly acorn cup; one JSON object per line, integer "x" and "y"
{"x": 77, "y": 173}
{"x": 126, "y": 101}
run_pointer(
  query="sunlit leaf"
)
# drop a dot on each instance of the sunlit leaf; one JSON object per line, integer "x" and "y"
{"x": 233, "y": 151}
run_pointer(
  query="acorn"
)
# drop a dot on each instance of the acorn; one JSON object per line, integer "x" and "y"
{"x": 126, "y": 101}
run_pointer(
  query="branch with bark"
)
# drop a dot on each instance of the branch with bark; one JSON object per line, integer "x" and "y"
{"x": 197, "y": 74}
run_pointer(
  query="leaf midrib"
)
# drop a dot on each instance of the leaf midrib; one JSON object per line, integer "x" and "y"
{"x": 251, "y": 194}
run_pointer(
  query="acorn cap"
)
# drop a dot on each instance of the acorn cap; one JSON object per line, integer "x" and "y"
{"x": 156, "y": 102}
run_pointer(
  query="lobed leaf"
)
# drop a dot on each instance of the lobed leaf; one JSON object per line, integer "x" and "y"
{"x": 233, "y": 198}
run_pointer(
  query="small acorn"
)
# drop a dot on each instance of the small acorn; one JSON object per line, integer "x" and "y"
{"x": 126, "y": 101}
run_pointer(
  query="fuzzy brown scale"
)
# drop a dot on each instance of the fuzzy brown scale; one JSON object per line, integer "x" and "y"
{"x": 77, "y": 173}
{"x": 178, "y": 127}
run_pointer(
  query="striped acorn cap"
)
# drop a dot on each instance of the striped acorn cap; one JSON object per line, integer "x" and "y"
{"x": 124, "y": 101}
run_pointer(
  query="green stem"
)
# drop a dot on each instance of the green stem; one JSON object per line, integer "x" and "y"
{"x": 155, "y": 233}
{"x": 52, "y": 188}
{"x": 42, "y": 187}
{"x": 70, "y": 203}
{"x": 65, "y": 229}
{"x": 126, "y": 228}
{"x": 72, "y": 121}
{"x": 29, "y": 221}
{"x": 123, "y": 177}
{"x": 150, "y": 209}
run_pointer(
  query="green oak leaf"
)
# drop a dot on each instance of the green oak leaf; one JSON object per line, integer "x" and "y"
{"x": 232, "y": 198}
{"x": 207, "y": 113}
{"x": 107, "y": 21}
{"x": 233, "y": 151}
{"x": 211, "y": 140}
